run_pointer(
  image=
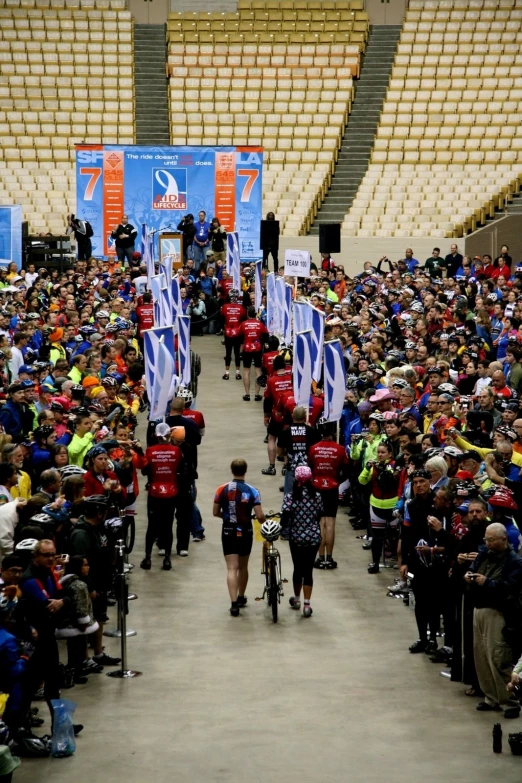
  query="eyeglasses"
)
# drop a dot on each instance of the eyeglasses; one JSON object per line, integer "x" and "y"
{"x": 47, "y": 554}
{"x": 487, "y": 540}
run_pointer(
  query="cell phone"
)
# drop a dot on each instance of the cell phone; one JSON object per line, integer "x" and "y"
{"x": 62, "y": 559}
{"x": 473, "y": 576}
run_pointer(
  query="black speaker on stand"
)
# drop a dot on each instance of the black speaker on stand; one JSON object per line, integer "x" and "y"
{"x": 329, "y": 238}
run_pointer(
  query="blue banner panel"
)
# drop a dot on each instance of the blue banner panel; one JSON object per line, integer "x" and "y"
{"x": 159, "y": 185}
{"x": 11, "y": 235}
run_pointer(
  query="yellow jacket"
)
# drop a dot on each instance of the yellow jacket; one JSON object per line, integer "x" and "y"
{"x": 516, "y": 458}
{"x": 23, "y": 488}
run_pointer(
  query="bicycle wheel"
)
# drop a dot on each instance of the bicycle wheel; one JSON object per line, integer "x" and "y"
{"x": 130, "y": 535}
{"x": 274, "y": 589}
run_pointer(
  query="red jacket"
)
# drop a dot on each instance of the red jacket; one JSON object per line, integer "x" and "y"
{"x": 163, "y": 463}
{"x": 93, "y": 486}
{"x": 145, "y": 314}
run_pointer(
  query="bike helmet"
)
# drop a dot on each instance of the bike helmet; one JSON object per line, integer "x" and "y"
{"x": 377, "y": 416}
{"x": 40, "y": 366}
{"x": 26, "y": 545}
{"x": 416, "y": 307}
{"x": 271, "y": 529}
{"x": 43, "y": 520}
{"x": 56, "y": 407}
{"x": 233, "y": 294}
{"x": 400, "y": 383}
{"x": 71, "y": 470}
{"x": 453, "y": 451}
{"x": 111, "y": 328}
{"x": 95, "y": 407}
{"x": 409, "y": 345}
{"x": 186, "y": 395}
{"x": 33, "y": 316}
{"x": 287, "y": 354}
{"x": 448, "y": 388}
{"x": 109, "y": 381}
{"x": 7, "y": 604}
{"x": 87, "y": 329}
{"x": 503, "y": 498}
{"x": 96, "y": 501}
{"x": 303, "y": 473}
{"x": 103, "y": 314}
{"x": 113, "y": 525}
{"x": 507, "y": 432}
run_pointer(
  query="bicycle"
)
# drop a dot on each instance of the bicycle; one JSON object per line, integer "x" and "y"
{"x": 271, "y": 566}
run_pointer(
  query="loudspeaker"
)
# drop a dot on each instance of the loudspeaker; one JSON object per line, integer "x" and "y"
{"x": 269, "y": 234}
{"x": 329, "y": 237}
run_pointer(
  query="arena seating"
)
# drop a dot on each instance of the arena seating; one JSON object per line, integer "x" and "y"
{"x": 448, "y": 150}
{"x": 276, "y": 74}
{"x": 66, "y": 77}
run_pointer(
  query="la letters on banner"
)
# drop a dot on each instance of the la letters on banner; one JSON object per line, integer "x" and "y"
{"x": 297, "y": 263}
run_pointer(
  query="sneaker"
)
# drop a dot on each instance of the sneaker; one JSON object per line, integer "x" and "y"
{"x": 77, "y": 728}
{"x": 226, "y": 376}
{"x": 367, "y": 545}
{"x": 418, "y": 647}
{"x": 330, "y": 562}
{"x": 294, "y": 602}
{"x": 269, "y": 471}
{"x": 161, "y": 552}
{"x": 373, "y": 568}
{"x": 258, "y": 397}
{"x": 167, "y": 565}
{"x": 431, "y": 648}
{"x": 246, "y": 397}
{"x": 79, "y": 680}
{"x": 197, "y": 539}
{"x": 146, "y": 564}
{"x": 238, "y": 375}
{"x": 234, "y": 609}
{"x": 242, "y": 600}
{"x": 307, "y": 610}
{"x": 89, "y": 666}
{"x": 183, "y": 553}
{"x": 400, "y": 587}
{"x": 320, "y": 563}
{"x": 106, "y": 660}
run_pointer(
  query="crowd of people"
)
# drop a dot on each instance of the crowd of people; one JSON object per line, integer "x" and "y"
{"x": 426, "y": 459}
{"x": 427, "y": 456}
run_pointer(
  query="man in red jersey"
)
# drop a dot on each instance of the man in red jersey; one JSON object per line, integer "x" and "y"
{"x": 287, "y": 405}
{"x": 196, "y": 416}
{"x": 145, "y": 313}
{"x": 279, "y": 382}
{"x": 253, "y": 334}
{"x": 328, "y": 462}
{"x": 163, "y": 466}
{"x": 233, "y": 314}
{"x": 267, "y": 361}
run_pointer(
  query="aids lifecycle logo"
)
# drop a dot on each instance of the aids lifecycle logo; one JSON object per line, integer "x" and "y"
{"x": 169, "y": 188}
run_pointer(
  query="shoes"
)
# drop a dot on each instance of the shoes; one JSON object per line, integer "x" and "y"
{"x": 198, "y": 538}
{"x": 400, "y": 587}
{"x": 258, "y": 397}
{"x": 330, "y": 562}
{"x": 33, "y": 721}
{"x": 146, "y": 564}
{"x": 373, "y": 568}
{"x": 281, "y": 489}
{"x": 242, "y": 600}
{"x": 161, "y": 552}
{"x": 77, "y": 727}
{"x": 106, "y": 660}
{"x": 266, "y": 439}
{"x": 294, "y": 602}
{"x": 80, "y": 680}
{"x": 183, "y": 553}
{"x": 246, "y": 397}
{"x": 269, "y": 471}
{"x": 234, "y": 609}
{"x": 238, "y": 376}
{"x": 167, "y": 565}
{"x": 512, "y": 712}
{"x": 320, "y": 563}
{"x": 283, "y": 470}
{"x": 285, "y": 535}
{"x": 307, "y": 610}
{"x": 280, "y": 459}
{"x": 442, "y": 655}
{"x": 90, "y": 666}
{"x": 111, "y": 602}
{"x": 483, "y": 706}
{"x": 28, "y": 745}
{"x": 431, "y": 648}
{"x": 39, "y": 695}
{"x": 418, "y": 647}
{"x": 226, "y": 376}
{"x": 473, "y": 691}
{"x": 367, "y": 545}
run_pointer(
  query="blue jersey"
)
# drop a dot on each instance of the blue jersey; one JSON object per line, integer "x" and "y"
{"x": 236, "y": 500}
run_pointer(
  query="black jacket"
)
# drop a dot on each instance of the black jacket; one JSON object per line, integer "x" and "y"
{"x": 419, "y": 509}
{"x": 502, "y": 593}
{"x": 92, "y": 542}
{"x": 125, "y": 242}
{"x": 189, "y": 232}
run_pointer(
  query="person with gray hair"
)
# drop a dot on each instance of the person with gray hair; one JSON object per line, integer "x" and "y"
{"x": 495, "y": 584}
{"x": 438, "y": 468}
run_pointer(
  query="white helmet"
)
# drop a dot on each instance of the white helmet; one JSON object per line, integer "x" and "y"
{"x": 27, "y": 545}
{"x": 185, "y": 394}
{"x": 270, "y": 529}
{"x": 71, "y": 470}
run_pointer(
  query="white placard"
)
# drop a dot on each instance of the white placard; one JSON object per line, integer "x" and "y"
{"x": 297, "y": 263}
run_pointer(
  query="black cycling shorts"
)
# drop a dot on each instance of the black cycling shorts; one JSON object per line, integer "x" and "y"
{"x": 237, "y": 545}
{"x": 275, "y": 428}
{"x": 251, "y": 356}
{"x": 330, "y": 498}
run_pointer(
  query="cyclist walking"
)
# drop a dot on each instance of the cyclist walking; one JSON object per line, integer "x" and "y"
{"x": 301, "y": 512}
{"x": 233, "y": 503}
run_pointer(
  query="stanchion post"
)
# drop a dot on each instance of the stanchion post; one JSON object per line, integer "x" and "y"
{"x": 123, "y": 672}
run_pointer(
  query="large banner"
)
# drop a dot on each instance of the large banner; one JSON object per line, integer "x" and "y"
{"x": 159, "y": 185}
{"x": 11, "y": 235}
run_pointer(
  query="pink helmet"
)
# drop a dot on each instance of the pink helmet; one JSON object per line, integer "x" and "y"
{"x": 303, "y": 474}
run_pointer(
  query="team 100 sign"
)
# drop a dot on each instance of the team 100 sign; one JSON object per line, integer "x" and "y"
{"x": 297, "y": 263}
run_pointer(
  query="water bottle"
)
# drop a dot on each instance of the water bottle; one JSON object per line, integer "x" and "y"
{"x": 497, "y": 738}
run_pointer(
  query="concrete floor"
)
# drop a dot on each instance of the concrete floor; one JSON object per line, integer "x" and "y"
{"x": 337, "y": 697}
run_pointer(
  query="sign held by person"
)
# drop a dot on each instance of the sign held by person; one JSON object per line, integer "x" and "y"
{"x": 297, "y": 263}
